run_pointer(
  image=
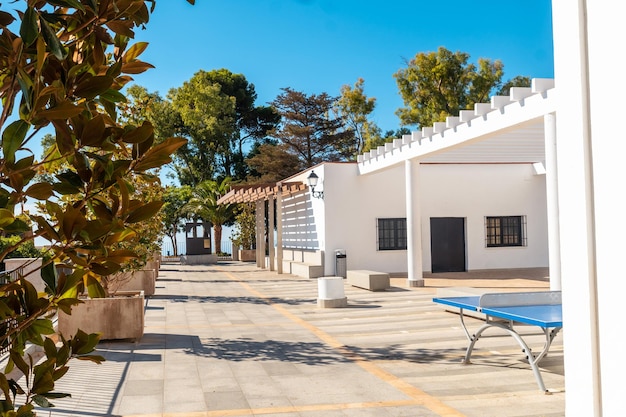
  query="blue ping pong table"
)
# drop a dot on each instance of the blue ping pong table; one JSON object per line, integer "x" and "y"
{"x": 503, "y": 310}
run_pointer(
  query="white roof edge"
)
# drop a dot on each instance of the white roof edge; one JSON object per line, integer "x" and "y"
{"x": 520, "y": 109}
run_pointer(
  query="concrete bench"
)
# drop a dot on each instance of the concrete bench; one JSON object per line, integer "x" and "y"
{"x": 306, "y": 270}
{"x": 369, "y": 280}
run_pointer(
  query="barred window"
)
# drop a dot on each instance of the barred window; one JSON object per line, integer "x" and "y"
{"x": 392, "y": 234}
{"x": 505, "y": 231}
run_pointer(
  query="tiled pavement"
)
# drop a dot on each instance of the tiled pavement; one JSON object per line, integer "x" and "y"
{"x": 233, "y": 340}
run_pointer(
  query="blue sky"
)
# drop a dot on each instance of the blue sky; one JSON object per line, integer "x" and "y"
{"x": 317, "y": 46}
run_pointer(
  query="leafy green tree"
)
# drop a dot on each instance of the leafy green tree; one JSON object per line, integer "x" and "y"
{"x": 377, "y": 138}
{"x": 438, "y": 84}
{"x": 65, "y": 68}
{"x": 203, "y": 205}
{"x": 355, "y": 108}
{"x": 518, "y": 81}
{"x": 271, "y": 162}
{"x": 309, "y": 130}
{"x": 244, "y": 236}
{"x": 218, "y": 115}
{"x": 175, "y": 211}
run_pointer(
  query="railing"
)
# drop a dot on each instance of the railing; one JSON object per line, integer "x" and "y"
{"x": 9, "y": 322}
{"x": 10, "y": 276}
{"x": 168, "y": 250}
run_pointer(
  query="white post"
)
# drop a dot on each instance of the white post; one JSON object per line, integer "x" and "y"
{"x": 413, "y": 226}
{"x": 554, "y": 237}
{"x": 270, "y": 232}
{"x": 279, "y": 230}
{"x": 260, "y": 235}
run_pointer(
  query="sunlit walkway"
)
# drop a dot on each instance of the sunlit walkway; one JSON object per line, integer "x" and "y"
{"x": 233, "y": 340}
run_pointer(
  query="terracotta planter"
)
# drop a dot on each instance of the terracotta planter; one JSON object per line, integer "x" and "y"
{"x": 247, "y": 255}
{"x": 119, "y": 317}
{"x": 142, "y": 280}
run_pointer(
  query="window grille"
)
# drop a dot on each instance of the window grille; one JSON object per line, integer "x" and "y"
{"x": 502, "y": 231}
{"x": 392, "y": 234}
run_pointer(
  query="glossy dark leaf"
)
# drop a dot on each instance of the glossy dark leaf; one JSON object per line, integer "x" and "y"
{"x": 160, "y": 154}
{"x": 49, "y": 277}
{"x": 138, "y": 134}
{"x": 5, "y": 18}
{"x": 29, "y": 29}
{"x": 42, "y": 401}
{"x": 144, "y": 212}
{"x": 62, "y": 111}
{"x": 113, "y": 96}
{"x": 12, "y": 138}
{"x": 121, "y": 28}
{"x": 40, "y": 191}
{"x": 52, "y": 40}
{"x": 75, "y": 4}
{"x": 93, "y": 86}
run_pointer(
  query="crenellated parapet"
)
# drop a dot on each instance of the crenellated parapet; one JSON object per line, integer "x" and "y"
{"x": 523, "y": 108}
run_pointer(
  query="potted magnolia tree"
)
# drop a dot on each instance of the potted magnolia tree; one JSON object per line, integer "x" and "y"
{"x": 244, "y": 236}
{"x": 63, "y": 66}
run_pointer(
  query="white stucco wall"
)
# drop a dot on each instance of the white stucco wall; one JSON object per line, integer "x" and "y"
{"x": 347, "y": 216}
{"x": 352, "y": 204}
{"x": 475, "y": 191}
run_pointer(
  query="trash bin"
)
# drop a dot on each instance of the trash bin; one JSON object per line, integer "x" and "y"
{"x": 340, "y": 263}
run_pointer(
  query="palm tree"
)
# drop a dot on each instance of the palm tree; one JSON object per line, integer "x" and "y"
{"x": 203, "y": 205}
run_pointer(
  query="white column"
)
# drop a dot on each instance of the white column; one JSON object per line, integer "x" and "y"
{"x": 554, "y": 237}
{"x": 270, "y": 233}
{"x": 260, "y": 235}
{"x": 413, "y": 225}
{"x": 279, "y": 230}
{"x": 581, "y": 339}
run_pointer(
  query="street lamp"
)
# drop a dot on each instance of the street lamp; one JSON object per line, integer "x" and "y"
{"x": 312, "y": 180}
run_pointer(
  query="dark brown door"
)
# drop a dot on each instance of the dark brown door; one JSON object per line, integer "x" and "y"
{"x": 447, "y": 244}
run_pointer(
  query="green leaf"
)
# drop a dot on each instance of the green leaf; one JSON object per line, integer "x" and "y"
{"x": 134, "y": 51}
{"x": 160, "y": 154}
{"x": 113, "y": 96}
{"x": 42, "y": 401}
{"x": 6, "y": 218}
{"x": 49, "y": 276}
{"x": 29, "y": 30}
{"x": 91, "y": 87}
{"x": 75, "y": 4}
{"x": 62, "y": 111}
{"x": 139, "y": 134}
{"x": 53, "y": 42}
{"x": 94, "y": 288}
{"x": 18, "y": 226}
{"x": 12, "y": 138}
{"x": 40, "y": 191}
{"x": 144, "y": 212}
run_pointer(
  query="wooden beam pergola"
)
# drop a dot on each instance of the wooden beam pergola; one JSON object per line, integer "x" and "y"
{"x": 256, "y": 192}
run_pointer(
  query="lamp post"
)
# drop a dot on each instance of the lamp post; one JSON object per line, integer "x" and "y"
{"x": 312, "y": 180}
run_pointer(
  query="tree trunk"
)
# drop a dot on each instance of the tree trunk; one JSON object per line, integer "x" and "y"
{"x": 174, "y": 245}
{"x": 217, "y": 231}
